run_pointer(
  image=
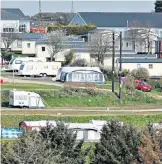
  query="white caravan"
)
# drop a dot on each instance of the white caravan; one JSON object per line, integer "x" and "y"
{"x": 25, "y": 99}
{"x": 15, "y": 63}
{"x": 39, "y": 68}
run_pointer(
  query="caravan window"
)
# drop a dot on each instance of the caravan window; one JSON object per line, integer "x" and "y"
{"x": 29, "y": 67}
{"x": 18, "y": 62}
{"x": 12, "y": 60}
{"x": 30, "y": 60}
{"x": 46, "y": 66}
{"x": 22, "y": 67}
{"x": 54, "y": 67}
{"x": 39, "y": 61}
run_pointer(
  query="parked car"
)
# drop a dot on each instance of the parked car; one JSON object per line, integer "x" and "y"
{"x": 143, "y": 86}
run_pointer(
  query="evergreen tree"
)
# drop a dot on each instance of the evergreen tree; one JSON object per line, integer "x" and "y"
{"x": 158, "y": 6}
{"x": 118, "y": 145}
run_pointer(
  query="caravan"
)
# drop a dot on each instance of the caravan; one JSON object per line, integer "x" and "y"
{"x": 15, "y": 63}
{"x": 39, "y": 68}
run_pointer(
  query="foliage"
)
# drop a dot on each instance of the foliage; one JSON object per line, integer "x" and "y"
{"x": 156, "y": 84}
{"x": 129, "y": 85}
{"x": 53, "y": 144}
{"x": 73, "y": 29}
{"x": 55, "y": 42}
{"x": 158, "y": 6}
{"x": 118, "y": 144}
{"x": 141, "y": 73}
{"x": 79, "y": 63}
{"x": 125, "y": 72}
{"x": 69, "y": 58}
{"x": 150, "y": 150}
{"x": 7, "y": 56}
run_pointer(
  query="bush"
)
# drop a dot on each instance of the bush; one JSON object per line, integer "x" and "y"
{"x": 68, "y": 58}
{"x": 73, "y": 29}
{"x": 155, "y": 84}
{"x": 141, "y": 73}
{"x": 79, "y": 63}
{"x": 125, "y": 72}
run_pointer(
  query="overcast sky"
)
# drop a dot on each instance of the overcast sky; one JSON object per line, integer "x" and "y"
{"x": 32, "y": 7}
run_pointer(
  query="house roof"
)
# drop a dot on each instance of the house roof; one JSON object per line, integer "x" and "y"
{"x": 12, "y": 14}
{"x": 34, "y": 36}
{"x": 125, "y": 60}
{"x": 121, "y": 19}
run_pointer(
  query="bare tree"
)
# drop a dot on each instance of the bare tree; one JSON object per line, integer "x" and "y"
{"x": 56, "y": 41}
{"x": 100, "y": 43}
{"x": 147, "y": 36}
{"x": 132, "y": 34}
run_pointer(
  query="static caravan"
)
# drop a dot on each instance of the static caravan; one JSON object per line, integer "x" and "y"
{"x": 25, "y": 99}
{"x": 154, "y": 66}
{"x": 39, "y": 68}
{"x": 15, "y": 63}
{"x": 80, "y": 74}
{"x": 86, "y": 131}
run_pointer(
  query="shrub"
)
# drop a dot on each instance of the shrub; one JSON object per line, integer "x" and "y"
{"x": 79, "y": 63}
{"x": 125, "y": 72}
{"x": 141, "y": 73}
{"x": 73, "y": 29}
{"x": 68, "y": 58}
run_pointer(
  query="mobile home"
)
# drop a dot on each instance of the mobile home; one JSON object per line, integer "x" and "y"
{"x": 39, "y": 68}
{"x": 15, "y": 63}
{"x": 154, "y": 66}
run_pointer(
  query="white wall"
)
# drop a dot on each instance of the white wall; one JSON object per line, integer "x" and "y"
{"x": 28, "y": 50}
{"x": 40, "y": 53}
{"x": 155, "y": 71}
{"x": 16, "y": 45}
{"x": 27, "y": 23}
{"x": 9, "y": 24}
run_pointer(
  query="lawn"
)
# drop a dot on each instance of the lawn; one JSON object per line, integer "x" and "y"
{"x": 27, "y": 86}
{"x": 138, "y": 121}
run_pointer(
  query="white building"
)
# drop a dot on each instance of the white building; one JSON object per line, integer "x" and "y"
{"x": 13, "y": 20}
{"x": 154, "y": 66}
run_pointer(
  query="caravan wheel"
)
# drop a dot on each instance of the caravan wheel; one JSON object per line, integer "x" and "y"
{"x": 41, "y": 74}
{"x": 44, "y": 74}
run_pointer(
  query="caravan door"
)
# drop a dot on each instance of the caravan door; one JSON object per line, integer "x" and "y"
{"x": 32, "y": 101}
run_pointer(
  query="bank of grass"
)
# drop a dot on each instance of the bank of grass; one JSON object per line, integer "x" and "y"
{"x": 138, "y": 121}
{"x": 27, "y": 86}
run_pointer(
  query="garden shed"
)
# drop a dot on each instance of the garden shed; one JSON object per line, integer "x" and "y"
{"x": 80, "y": 74}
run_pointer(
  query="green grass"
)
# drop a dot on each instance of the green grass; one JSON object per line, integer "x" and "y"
{"x": 27, "y": 86}
{"x": 138, "y": 121}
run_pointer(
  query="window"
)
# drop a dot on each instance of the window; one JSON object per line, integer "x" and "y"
{"x": 150, "y": 66}
{"x": 43, "y": 48}
{"x": 19, "y": 43}
{"x": 8, "y": 29}
{"x": 22, "y": 28}
{"x": 30, "y": 60}
{"x": 39, "y": 61}
{"x": 18, "y": 62}
{"x": 46, "y": 66}
{"x": 28, "y": 45}
{"x": 127, "y": 44}
{"x": 22, "y": 67}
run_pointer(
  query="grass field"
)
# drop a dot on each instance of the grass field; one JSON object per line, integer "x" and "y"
{"x": 26, "y": 86}
{"x": 138, "y": 121}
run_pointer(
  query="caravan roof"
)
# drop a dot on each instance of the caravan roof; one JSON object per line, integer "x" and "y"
{"x": 71, "y": 69}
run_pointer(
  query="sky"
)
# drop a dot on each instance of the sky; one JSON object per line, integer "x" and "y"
{"x": 32, "y": 7}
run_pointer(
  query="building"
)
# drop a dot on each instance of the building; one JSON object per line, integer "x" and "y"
{"x": 14, "y": 20}
{"x": 152, "y": 65}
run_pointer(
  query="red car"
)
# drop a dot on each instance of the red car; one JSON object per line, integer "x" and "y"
{"x": 143, "y": 86}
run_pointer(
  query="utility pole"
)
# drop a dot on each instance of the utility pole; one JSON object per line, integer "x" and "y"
{"x": 120, "y": 67}
{"x": 72, "y": 7}
{"x": 40, "y": 13}
{"x": 113, "y": 59}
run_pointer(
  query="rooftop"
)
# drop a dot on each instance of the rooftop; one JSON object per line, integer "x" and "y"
{"x": 125, "y": 60}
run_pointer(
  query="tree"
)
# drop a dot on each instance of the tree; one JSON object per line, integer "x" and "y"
{"x": 141, "y": 73}
{"x": 132, "y": 34}
{"x": 158, "y": 6}
{"x": 79, "y": 63}
{"x": 69, "y": 58}
{"x": 118, "y": 144}
{"x": 100, "y": 43}
{"x": 150, "y": 151}
{"x": 129, "y": 84}
{"x": 56, "y": 41}
{"x": 8, "y": 39}
{"x": 52, "y": 145}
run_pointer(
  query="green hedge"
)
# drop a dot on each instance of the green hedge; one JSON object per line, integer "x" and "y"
{"x": 73, "y": 29}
